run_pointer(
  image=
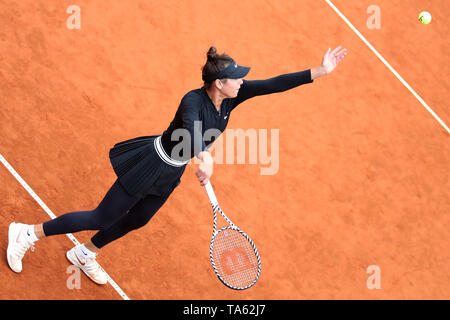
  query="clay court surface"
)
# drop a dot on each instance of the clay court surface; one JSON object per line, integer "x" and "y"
{"x": 364, "y": 174}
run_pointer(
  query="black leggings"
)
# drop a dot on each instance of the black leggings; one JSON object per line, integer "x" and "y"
{"x": 117, "y": 214}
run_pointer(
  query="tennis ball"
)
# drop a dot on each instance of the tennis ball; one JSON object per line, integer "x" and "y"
{"x": 425, "y": 17}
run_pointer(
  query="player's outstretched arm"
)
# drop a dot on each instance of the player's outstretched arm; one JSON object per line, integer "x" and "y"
{"x": 329, "y": 62}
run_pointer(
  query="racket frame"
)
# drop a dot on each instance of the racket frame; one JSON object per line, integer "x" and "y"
{"x": 232, "y": 226}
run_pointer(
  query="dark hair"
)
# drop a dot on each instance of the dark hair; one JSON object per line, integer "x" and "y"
{"x": 214, "y": 64}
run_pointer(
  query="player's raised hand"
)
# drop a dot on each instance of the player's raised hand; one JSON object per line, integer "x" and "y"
{"x": 332, "y": 58}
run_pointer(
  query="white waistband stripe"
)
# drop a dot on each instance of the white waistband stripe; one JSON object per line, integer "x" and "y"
{"x": 163, "y": 155}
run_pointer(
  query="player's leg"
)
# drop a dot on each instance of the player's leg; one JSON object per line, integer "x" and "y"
{"x": 115, "y": 203}
{"x": 137, "y": 217}
{"x": 22, "y": 237}
{"x": 84, "y": 256}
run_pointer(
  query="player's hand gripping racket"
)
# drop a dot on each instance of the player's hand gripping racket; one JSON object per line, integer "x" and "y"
{"x": 234, "y": 256}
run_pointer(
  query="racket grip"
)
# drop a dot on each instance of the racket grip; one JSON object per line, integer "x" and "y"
{"x": 211, "y": 195}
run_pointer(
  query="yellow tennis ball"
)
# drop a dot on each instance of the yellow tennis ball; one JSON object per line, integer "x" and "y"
{"x": 425, "y": 17}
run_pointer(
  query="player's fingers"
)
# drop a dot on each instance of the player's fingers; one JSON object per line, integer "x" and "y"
{"x": 203, "y": 182}
{"x": 200, "y": 172}
{"x": 335, "y": 50}
{"x": 202, "y": 175}
{"x": 342, "y": 52}
{"x": 201, "y": 178}
{"x": 342, "y": 55}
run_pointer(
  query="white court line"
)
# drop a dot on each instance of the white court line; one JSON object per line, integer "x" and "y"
{"x": 51, "y": 215}
{"x": 388, "y": 65}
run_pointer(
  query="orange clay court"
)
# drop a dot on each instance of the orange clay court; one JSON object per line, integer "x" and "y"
{"x": 364, "y": 174}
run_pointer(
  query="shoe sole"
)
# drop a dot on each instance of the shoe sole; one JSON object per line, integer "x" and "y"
{"x": 11, "y": 239}
{"x": 70, "y": 255}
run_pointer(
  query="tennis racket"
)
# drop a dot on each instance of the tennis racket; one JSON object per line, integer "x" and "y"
{"x": 233, "y": 254}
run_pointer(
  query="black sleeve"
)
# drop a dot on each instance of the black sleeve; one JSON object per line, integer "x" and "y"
{"x": 280, "y": 83}
{"x": 190, "y": 116}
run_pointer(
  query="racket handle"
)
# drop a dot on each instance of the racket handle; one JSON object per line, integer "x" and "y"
{"x": 211, "y": 195}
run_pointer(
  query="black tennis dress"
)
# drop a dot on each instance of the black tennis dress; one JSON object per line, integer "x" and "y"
{"x": 144, "y": 165}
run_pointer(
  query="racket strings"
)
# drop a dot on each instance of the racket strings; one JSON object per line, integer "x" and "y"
{"x": 235, "y": 258}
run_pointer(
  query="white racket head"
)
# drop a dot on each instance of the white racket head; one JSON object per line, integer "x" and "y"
{"x": 234, "y": 258}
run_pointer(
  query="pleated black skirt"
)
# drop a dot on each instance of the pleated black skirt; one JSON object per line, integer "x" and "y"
{"x": 140, "y": 170}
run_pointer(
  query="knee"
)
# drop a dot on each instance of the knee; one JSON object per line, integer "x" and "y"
{"x": 137, "y": 221}
{"x": 99, "y": 219}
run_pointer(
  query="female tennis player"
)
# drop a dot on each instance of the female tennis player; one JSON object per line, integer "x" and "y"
{"x": 149, "y": 168}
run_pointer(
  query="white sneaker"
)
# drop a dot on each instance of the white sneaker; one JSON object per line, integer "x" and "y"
{"x": 88, "y": 265}
{"x": 18, "y": 245}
